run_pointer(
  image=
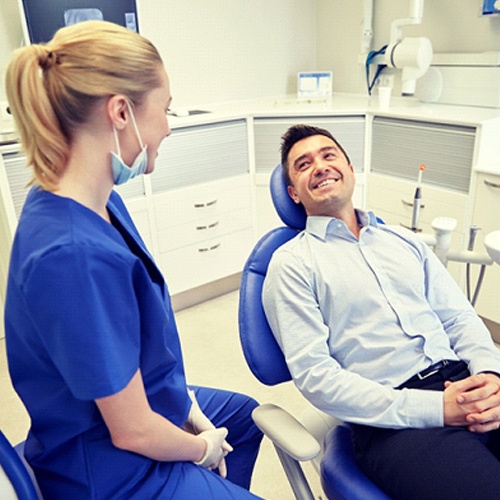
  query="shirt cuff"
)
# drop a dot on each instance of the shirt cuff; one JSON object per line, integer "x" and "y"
{"x": 426, "y": 408}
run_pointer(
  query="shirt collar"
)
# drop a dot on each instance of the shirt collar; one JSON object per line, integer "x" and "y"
{"x": 320, "y": 226}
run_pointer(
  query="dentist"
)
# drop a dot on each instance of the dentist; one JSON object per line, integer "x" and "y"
{"x": 92, "y": 343}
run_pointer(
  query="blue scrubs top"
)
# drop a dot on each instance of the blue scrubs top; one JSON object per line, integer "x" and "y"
{"x": 86, "y": 308}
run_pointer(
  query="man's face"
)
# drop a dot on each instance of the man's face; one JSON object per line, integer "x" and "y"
{"x": 321, "y": 177}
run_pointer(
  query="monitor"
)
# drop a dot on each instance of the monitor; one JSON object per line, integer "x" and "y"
{"x": 42, "y": 18}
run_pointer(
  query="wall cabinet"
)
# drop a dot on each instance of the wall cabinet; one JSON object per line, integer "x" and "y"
{"x": 399, "y": 147}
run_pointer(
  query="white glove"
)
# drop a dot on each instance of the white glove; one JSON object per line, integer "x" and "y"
{"x": 215, "y": 452}
{"x": 198, "y": 423}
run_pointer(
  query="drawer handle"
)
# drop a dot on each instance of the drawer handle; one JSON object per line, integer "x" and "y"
{"x": 492, "y": 184}
{"x": 209, "y": 249}
{"x": 203, "y": 205}
{"x": 209, "y": 226}
{"x": 410, "y": 204}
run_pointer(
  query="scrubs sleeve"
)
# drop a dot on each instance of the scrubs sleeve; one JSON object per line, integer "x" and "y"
{"x": 83, "y": 304}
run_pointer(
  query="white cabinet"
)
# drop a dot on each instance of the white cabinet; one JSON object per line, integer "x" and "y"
{"x": 399, "y": 147}
{"x": 201, "y": 204}
{"x": 348, "y": 130}
{"x": 194, "y": 211}
{"x": 486, "y": 216}
{"x": 204, "y": 232}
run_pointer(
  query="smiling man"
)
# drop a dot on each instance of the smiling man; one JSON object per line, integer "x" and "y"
{"x": 376, "y": 332}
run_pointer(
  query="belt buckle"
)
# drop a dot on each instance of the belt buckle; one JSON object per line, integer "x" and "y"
{"x": 422, "y": 377}
{"x": 439, "y": 366}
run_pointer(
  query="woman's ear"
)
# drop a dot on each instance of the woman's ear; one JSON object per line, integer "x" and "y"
{"x": 118, "y": 111}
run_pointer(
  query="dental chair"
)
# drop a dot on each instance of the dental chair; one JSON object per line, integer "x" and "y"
{"x": 318, "y": 437}
{"x": 16, "y": 480}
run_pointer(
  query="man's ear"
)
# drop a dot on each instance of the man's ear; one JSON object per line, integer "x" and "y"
{"x": 293, "y": 194}
{"x": 118, "y": 111}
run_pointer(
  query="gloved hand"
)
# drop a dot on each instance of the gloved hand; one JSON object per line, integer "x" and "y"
{"x": 216, "y": 451}
{"x": 198, "y": 423}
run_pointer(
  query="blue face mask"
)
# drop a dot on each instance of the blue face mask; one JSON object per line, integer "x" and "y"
{"x": 121, "y": 171}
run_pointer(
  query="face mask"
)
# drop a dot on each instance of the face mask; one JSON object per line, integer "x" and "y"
{"x": 121, "y": 171}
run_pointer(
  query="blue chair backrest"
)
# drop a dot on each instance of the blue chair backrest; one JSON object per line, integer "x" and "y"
{"x": 291, "y": 213}
{"x": 16, "y": 471}
{"x": 262, "y": 352}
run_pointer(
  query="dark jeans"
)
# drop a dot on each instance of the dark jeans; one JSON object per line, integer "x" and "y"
{"x": 428, "y": 464}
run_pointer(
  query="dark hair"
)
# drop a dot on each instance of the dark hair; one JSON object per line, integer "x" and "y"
{"x": 297, "y": 133}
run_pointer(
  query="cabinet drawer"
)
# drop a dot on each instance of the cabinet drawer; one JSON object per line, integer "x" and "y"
{"x": 202, "y": 202}
{"x": 208, "y": 228}
{"x": 394, "y": 197}
{"x": 197, "y": 265}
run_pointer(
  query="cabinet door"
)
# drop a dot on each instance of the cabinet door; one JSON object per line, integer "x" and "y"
{"x": 399, "y": 147}
{"x": 391, "y": 199}
{"x": 202, "y": 153}
{"x": 486, "y": 210}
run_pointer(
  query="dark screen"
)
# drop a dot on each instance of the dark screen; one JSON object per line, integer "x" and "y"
{"x": 45, "y": 17}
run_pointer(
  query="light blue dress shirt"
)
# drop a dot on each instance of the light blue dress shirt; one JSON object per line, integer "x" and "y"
{"x": 357, "y": 318}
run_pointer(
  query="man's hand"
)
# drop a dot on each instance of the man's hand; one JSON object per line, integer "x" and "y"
{"x": 473, "y": 402}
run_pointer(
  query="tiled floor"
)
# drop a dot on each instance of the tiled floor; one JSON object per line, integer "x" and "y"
{"x": 213, "y": 357}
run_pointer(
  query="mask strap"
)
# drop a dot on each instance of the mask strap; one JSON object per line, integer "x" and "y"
{"x": 117, "y": 142}
{"x": 135, "y": 125}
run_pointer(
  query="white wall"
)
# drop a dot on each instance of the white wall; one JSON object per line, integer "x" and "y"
{"x": 224, "y": 50}
{"x": 451, "y": 25}
{"x": 215, "y": 50}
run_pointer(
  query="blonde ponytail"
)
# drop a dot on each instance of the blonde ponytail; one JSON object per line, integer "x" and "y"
{"x": 40, "y": 132}
{"x": 51, "y": 88}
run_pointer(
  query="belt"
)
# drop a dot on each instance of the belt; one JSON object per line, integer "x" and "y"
{"x": 432, "y": 370}
{"x": 448, "y": 367}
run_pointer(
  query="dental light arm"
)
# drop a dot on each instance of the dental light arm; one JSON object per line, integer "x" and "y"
{"x": 411, "y": 55}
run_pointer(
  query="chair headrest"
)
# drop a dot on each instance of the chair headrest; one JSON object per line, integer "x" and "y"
{"x": 291, "y": 213}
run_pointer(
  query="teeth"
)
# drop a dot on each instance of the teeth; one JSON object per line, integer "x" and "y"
{"x": 326, "y": 182}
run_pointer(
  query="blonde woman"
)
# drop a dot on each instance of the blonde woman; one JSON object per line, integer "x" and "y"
{"x": 92, "y": 343}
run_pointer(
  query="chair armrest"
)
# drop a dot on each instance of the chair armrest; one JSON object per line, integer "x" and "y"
{"x": 286, "y": 432}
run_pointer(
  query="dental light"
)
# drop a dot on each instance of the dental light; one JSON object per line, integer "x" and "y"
{"x": 411, "y": 55}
